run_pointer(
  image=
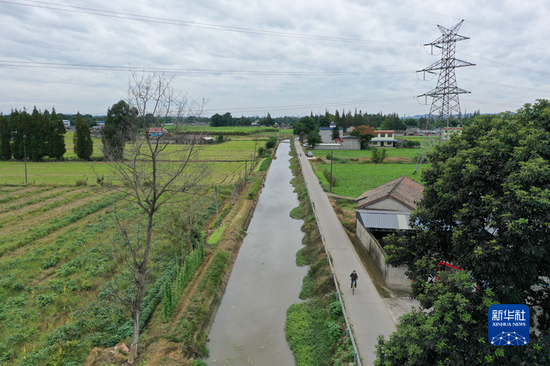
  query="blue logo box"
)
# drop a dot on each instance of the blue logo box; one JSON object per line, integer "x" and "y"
{"x": 509, "y": 325}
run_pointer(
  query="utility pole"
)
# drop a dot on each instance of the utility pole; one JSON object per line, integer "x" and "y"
{"x": 331, "y": 171}
{"x": 25, "y": 152}
{"x": 445, "y": 95}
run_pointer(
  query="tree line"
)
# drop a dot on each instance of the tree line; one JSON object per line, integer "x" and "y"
{"x": 38, "y": 135}
{"x": 227, "y": 120}
{"x": 32, "y": 135}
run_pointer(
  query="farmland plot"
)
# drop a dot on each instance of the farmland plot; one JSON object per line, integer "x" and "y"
{"x": 55, "y": 264}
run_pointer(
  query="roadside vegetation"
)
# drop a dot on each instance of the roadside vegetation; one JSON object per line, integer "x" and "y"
{"x": 315, "y": 327}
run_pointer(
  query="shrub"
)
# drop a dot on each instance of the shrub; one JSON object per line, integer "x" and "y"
{"x": 261, "y": 151}
{"x": 270, "y": 144}
{"x": 265, "y": 164}
{"x": 378, "y": 155}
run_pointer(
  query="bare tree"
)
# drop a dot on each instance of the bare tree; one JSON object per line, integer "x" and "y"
{"x": 151, "y": 175}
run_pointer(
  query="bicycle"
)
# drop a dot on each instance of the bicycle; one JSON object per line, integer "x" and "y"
{"x": 353, "y": 287}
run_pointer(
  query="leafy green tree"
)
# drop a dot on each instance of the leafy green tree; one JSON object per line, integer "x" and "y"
{"x": 118, "y": 124}
{"x": 300, "y": 129}
{"x": 335, "y": 133}
{"x": 337, "y": 118}
{"x": 485, "y": 209}
{"x": 393, "y": 122}
{"x": 448, "y": 333}
{"x": 5, "y": 138}
{"x": 268, "y": 121}
{"x": 324, "y": 121}
{"x": 83, "y": 144}
{"x": 410, "y": 122}
{"x": 36, "y": 136}
{"x": 56, "y": 140}
{"x": 313, "y": 138}
{"x": 365, "y": 133}
{"x": 271, "y": 142}
{"x": 18, "y": 127}
{"x": 216, "y": 120}
{"x": 309, "y": 123}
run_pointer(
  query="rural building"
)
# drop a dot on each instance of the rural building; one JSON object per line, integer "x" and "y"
{"x": 400, "y": 194}
{"x": 383, "y": 211}
{"x": 343, "y": 143}
{"x": 326, "y": 133}
{"x": 448, "y": 131}
{"x": 157, "y": 131}
{"x": 384, "y": 138}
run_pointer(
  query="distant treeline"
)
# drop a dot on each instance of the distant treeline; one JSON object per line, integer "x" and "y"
{"x": 343, "y": 119}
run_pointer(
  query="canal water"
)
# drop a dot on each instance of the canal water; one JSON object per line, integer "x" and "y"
{"x": 249, "y": 325}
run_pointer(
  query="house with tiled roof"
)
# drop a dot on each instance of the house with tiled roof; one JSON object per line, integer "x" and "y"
{"x": 400, "y": 194}
{"x": 382, "y": 211}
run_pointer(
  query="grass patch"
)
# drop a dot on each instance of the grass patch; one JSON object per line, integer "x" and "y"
{"x": 216, "y": 236}
{"x": 314, "y": 328}
{"x": 297, "y": 213}
{"x": 354, "y": 179}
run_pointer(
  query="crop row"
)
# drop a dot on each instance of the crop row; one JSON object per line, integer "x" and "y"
{"x": 57, "y": 223}
{"x": 102, "y": 323}
{"x": 184, "y": 273}
{"x": 47, "y": 207}
{"x": 37, "y": 200}
{"x": 13, "y": 197}
{"x": 54, "y": 297}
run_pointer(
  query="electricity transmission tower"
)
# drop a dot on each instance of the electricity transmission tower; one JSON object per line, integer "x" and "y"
{"x": 445, "y": 95}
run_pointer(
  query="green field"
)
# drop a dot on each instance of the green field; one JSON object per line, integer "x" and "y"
{"x": 226, "y": 161}
{"x": 354, "y": 179}
{"x": 56, "y": 260}
{"x": 405, "y": 153}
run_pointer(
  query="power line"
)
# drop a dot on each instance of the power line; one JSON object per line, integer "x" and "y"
{"x": 183, "y": 23}
{"x": 505, "y": 85}
{"x": 63, "y": 66}
{"x": 507, "y": 64}
{"x": 302, "y": 106}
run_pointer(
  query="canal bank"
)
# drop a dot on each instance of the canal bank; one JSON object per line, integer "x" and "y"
{"x": 265, "y": 281}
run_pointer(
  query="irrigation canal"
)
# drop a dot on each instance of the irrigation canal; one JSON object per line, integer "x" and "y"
{"x": 249, "y": 325}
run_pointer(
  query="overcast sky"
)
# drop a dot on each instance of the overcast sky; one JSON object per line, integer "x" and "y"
{"x": 286, "y": 57}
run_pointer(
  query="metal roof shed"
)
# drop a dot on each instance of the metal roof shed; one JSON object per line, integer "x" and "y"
{"x": 383, "y": 220}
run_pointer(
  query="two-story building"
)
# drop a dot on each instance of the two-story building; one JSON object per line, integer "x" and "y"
{"x": 384, "y": 138}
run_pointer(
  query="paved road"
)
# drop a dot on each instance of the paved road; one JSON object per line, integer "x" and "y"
{"x": 366, "y": 310}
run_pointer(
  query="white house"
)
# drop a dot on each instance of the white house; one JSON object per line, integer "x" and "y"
{"x": 384, "y": 138}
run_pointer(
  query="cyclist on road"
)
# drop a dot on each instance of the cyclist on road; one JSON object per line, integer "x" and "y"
{"x": 353, "y": 277}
